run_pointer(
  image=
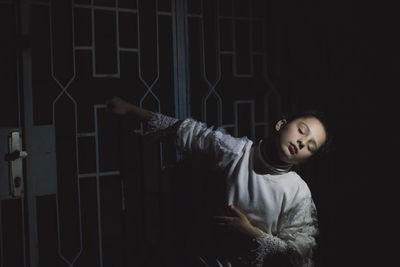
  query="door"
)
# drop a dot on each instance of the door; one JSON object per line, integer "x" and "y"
{"x": 95, "y": 190}
{"x": 97, "y": 193}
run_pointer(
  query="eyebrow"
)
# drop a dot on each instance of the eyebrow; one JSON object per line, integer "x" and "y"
{"x": 308, "y": 130}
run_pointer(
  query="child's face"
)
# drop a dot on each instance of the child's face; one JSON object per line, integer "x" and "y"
{"x": 299, "y": 139}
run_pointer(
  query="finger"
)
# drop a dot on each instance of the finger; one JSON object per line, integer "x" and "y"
{"x": 110, "y": 104}
{"x": 237, "y": 212}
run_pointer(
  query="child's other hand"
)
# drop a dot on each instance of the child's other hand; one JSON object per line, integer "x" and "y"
{"x": 238, "y": 223}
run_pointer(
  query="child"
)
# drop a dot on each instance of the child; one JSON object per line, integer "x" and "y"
{"x": 270, "y": 206}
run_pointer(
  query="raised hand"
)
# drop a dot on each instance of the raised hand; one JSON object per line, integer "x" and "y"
{"x": 118, "y": 106}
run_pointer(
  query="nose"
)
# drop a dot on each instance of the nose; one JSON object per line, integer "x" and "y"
{"x": 300, "y": 144}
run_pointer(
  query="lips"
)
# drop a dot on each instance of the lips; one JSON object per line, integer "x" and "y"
{"x": 292, "y": 149}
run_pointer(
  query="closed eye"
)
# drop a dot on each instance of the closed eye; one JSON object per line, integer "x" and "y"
{"x": 312, "y": 147}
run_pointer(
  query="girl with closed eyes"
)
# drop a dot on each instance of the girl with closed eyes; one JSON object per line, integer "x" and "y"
{"x": 268, "y": 214}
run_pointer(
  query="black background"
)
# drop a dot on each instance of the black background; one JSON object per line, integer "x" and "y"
{"x": 342, "y": 57}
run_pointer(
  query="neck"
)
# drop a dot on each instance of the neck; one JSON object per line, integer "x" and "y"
{"x": 269, "y": 150}
{"x": 269, "y": 161}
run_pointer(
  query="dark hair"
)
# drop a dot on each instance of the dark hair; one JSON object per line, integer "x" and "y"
{"x": 319, "y": 115}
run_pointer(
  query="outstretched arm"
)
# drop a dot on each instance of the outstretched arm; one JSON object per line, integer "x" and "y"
{"x": 190, "y": 135}
{"x": 155, "y": 121}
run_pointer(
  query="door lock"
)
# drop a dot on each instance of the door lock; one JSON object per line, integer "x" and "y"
{"x": 14, "y": 158}
{"x": 15, "y": 155}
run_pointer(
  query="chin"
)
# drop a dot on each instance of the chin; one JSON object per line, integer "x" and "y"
{"x": 285, "y": 157}
{"x": 289, "y": 158}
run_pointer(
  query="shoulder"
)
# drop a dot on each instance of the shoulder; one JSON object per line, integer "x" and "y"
{"x": 296, "y": 188}
{"x": 303, "y": 191}
{"x": 292, "y": 178}
{"x": 235, "y": 145}
{"x": 301, "y": 184}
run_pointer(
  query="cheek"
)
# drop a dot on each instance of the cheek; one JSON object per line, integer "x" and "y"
{"x": 288, "y": 133}
{"x": 291, "y": 136}
{"x": 305, "y": 154}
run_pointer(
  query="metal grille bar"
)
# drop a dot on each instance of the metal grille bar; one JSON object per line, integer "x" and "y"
{"x": 150, "y": 84}
{"x": 234, "y": 65}
{"x": 252, "y": 118}
{"x": 64, "y": 91}
{"x": 96, "y": 107}
{"x": 116, "y": 10}
{"x": 211, "y": 86}
{"x": 271, "y": 94}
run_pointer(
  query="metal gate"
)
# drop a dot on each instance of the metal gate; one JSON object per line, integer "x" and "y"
{"x": 96, "y": 193}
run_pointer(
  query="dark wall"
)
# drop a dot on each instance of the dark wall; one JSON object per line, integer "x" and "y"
{"x": 342, "y": 58}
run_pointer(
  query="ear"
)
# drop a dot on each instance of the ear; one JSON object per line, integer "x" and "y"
{"x": 280, "y": 124}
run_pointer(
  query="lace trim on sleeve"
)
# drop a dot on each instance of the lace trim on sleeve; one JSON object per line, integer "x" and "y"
{"x": 160, "y": 122}
{"x": 298, "y": 229}
{"x": 296, "y": 238}
{"x": 267, "y": 244}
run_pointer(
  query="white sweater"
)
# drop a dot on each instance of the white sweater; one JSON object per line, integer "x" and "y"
{"x": 279, "y": 205}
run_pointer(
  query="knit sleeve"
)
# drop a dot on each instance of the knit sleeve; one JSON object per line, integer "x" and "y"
{"x": 196, "y": 137}
{"x": 191, "y": 136}
{"x": 299, "y": 228}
